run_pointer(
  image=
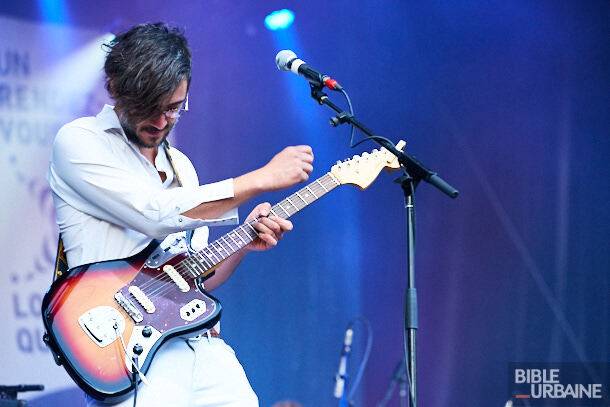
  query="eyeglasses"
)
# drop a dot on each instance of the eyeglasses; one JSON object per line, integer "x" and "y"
{"x": 175, "y": 112}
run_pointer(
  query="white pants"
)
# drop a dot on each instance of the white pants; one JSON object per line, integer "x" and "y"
{"x": 209, "y": 376}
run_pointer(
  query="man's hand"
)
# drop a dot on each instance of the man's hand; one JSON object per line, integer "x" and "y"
{"x": 287, "y": 168}
{"x": 270, "y": 228}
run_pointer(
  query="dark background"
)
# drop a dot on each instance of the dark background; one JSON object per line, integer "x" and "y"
{"x": 509, "y": 101}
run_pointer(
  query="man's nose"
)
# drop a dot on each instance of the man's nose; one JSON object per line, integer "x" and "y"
{"x": 160, "y": 121}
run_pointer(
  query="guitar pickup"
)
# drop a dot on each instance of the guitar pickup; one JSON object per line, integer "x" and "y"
{"x": 192, "y": 310}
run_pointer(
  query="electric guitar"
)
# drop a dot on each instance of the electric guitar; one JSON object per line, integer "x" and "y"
{"x": 103, "y": 320}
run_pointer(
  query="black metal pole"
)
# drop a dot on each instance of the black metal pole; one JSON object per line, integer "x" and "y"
{"x": 411, "y": 321}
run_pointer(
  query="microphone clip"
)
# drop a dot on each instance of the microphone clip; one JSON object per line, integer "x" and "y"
{"x": 341, "y": 118}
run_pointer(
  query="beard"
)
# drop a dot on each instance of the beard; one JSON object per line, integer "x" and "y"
{"x": 132, "y": 132}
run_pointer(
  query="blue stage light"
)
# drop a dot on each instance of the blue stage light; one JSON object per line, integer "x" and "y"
{"x": 279, "y": 20}
{"x": 54, "y": 11}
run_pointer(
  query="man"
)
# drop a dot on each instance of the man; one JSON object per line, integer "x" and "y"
{"x": 117, "y": 185}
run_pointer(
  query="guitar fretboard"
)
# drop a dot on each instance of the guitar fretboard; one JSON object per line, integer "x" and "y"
{"x": 202, "y": 262}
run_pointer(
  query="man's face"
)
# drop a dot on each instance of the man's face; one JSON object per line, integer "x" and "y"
{"x": 150, "y": 133}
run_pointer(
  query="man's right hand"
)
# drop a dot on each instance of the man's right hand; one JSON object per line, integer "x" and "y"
{"x": 287, "y": 168}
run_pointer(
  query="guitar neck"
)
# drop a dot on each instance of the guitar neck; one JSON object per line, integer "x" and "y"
{"x": 203, "y": 262}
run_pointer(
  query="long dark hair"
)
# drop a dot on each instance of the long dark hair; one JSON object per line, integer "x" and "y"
{"x": 144, "y": 65}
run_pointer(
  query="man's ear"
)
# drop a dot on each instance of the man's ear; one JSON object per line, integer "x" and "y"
{"x": 110, "y": 88}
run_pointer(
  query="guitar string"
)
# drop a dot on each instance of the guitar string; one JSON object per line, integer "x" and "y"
{"x": 164, "y": 287}
{"x": 184, "y": 270}
{"x": 183, "y": 267}
{"x": 163, "y": 283}
{"x": 251, "y": 234}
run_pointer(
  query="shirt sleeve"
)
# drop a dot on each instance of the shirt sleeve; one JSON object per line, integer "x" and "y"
{"x": 88, "y": 175}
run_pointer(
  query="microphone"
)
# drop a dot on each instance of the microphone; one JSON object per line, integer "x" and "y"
{"x": 286, "y": 60}
{"x": 341, "y": 377}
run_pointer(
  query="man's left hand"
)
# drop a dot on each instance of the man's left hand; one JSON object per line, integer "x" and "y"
{"x": 270, "y": 228}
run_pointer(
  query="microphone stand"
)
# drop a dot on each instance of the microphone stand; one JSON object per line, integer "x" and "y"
{"x": 398, "y": 377}
{"x": 414, "y": 172}
{"x": 9, "y": 394}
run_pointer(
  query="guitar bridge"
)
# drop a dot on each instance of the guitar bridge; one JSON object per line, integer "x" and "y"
{"x": 128, "y": 306}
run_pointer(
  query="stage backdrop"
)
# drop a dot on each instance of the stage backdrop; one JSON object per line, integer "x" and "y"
{"x": 507, "y": 100}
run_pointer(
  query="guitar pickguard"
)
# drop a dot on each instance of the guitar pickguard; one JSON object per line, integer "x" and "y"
{"x": 146, "y": 337}
{"x": 162, "y": 255}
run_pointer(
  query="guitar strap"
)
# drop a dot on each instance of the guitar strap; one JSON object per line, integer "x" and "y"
{"x": 61, "y": 261}
{"x": 168, "y": 153}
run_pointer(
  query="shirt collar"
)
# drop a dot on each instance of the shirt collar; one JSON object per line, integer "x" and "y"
{"x": 108, "y": 119}
{"x": 109, "y": 122}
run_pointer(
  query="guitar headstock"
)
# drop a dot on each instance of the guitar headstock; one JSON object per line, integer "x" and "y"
{"x": 363, "y": 169}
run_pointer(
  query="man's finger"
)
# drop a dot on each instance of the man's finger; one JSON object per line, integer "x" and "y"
{"x": 271, "y": 224}
{"x": 261, "y": 228}
{"x": 308, "y": 158}
{"x": 268, "y": 239}
{"x": 263, "y": 209}
{"x": 308, "y": 168}
{"x": 285, "y": 224}
{"x": 304, "y": 149}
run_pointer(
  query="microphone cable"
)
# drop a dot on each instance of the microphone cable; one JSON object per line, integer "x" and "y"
{"x": 353, "y": 130}
{"x": 365, "y": 357}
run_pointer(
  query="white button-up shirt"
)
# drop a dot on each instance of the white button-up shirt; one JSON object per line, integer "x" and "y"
{"x": 110, "y": 201}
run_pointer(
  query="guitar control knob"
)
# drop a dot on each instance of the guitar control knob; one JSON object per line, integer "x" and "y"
{"x": 147, "y": 331}
{"x": 138, "y": 349}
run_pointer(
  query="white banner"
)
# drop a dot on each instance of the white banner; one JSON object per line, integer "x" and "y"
{"x": 49, "y": 75}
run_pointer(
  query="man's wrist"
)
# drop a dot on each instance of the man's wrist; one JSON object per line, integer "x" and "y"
{"x": 254, "y": 181}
